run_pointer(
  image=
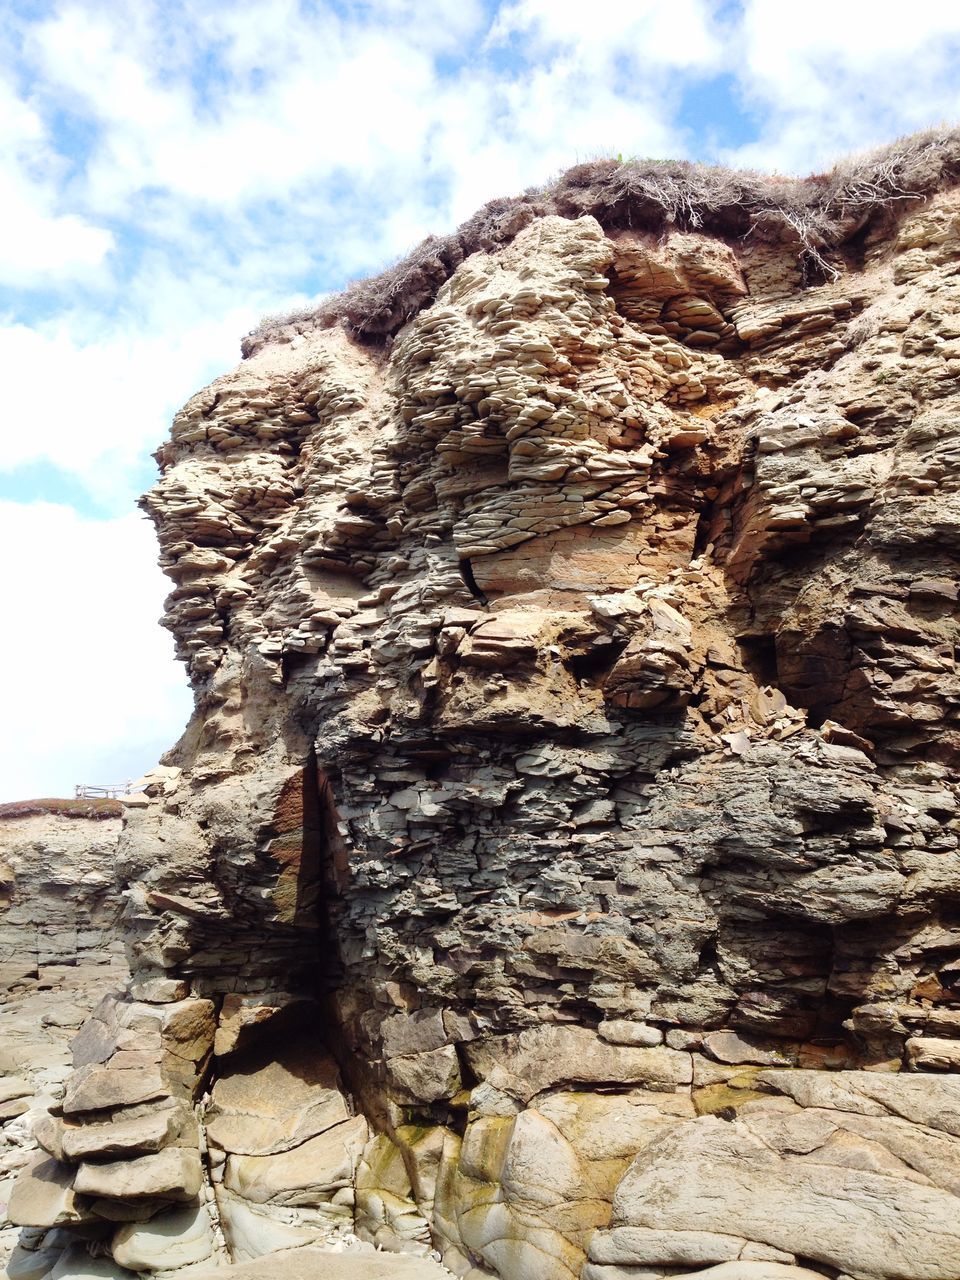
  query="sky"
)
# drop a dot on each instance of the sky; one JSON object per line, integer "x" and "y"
{"x": 172, "y": 170}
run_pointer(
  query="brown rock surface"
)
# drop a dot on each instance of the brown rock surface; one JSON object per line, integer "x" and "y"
{"x": 60, "y": 950}
{"x": 575, "y": 761}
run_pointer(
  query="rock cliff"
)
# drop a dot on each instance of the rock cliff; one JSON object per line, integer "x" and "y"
{"x": 60, "y": 950}
{"x": 560, "y": 870}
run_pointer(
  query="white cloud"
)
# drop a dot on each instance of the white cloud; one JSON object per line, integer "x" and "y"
{"x": 97, "y": 407}
{"x": 310, "y": 103}
{"x": 172, "y": 169}
{"x": 827, "y": 78}
{"x": 88, "y": 676}
{"x": 38, "y": 241}
{"x": 305, "y": 100}
{"x": 651, "y": 34}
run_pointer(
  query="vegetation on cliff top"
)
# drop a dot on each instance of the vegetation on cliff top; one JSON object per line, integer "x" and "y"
{"x": 822, "y": 212}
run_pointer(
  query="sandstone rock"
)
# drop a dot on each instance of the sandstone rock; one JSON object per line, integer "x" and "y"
{"x": 15, "y": 1107}
{"x": 98, "y": 1088}
{"x": 102, "y": 1034}
{"x": 244, "y": 1020}
{"x": 416, "y": 1032}
{"x": 392, "y": 1199}
{"x": 179, "y": 1238}
{"x": 160, "y": 990}
{"x": 306, "y": 1174}
{"x": 77, "y": 1263}
{"x": 727, "y": 1046}
{"x": 425, "y": 1077}
{"x": 622, "y": 1031}
{"x": 741, "y": 1270}
{"x": 611, "y": 1128}
{"x": 716, "y": 1176}
{"x": 13, "y": 1088}
{"x": 48, "y": 1132}
{"x": 635, "y": 1246}
{"x": 313, "y": 1264}
{"x": 31, "y": 1264}
{"x": 173, "y": 1173}
{"x": 584, "y": 658}
{"x": 59, "y": 951}
{"x": 145, "y": 1131}
{"x": 275, "y": 1100}
{"x": 44, "y": 1195}
{"x": 187, "y": 1029}
{"x": 524, "y": 1202}
{"x": 57, "y": 903}
{"x": 255, "y": 1230}
{"x": 534, "y": 1060}
{"x": 932, "y": 1053}
{"x": 929, "y": 1101}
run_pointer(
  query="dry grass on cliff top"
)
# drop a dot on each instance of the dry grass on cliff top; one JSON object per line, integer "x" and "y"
{"x": 822, "y": 212}
{"x": 87, "y": 808}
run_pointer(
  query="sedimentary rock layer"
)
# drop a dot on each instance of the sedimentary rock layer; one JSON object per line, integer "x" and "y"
{"x": 60, "y": 949}
{"x": 560, "y": 869}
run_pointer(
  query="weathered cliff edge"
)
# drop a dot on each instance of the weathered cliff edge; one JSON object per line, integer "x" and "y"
{"x": 560, "y": 869}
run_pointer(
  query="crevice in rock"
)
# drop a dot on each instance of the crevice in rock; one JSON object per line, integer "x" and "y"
{"x": 813, "y": 1264}
{"x": 320, "y": 850}
{"x": 291, "y": 662}
{"x": 759, "y": 655}
{"x": 813, "y": 670}
{"x": 701, "y": 537}
{"x": 596, "y": 661}
{"x": 466, "y": 573}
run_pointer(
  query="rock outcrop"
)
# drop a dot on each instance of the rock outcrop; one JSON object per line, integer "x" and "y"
{"x": 560, "y": 871}
{"x": 60, "y": 949}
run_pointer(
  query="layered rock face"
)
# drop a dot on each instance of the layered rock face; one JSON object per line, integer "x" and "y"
{"x": 60, "y": 950}
{"x": 560, "y": 870}
{"x": 58, "y": 905}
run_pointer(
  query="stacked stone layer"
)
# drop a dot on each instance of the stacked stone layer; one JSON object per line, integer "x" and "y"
{"x": 60, "y": 950}
{"x": 575, "y": 763}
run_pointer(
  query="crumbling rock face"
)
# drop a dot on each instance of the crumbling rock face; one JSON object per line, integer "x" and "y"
{"x": 60, "y": 949}
{"x": 58, "y": 908}
{"x": 575, "y": 764}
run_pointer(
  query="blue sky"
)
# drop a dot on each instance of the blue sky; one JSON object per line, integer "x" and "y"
{"x": 171, "y": 170}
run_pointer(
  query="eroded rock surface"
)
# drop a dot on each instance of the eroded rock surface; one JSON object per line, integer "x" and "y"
{"x": 560, "y": 870}
{"x": 60, "y": 950}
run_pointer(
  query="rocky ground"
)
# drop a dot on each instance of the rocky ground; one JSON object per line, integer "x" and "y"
{"x": 559, "y": 873}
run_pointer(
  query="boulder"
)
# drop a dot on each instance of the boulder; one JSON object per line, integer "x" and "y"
{"x": 147, "y": 1129}
{"x": 173, "y": 1173}
{"x": 425, "y": 1077}
{"x": 44, "y": 1195}
{"x": 96, "y": 1087}
{"x": 526, "y": 1063}
{"x": 717, "y": 1176}
{"x": 303, "y": 1175}
{"x": 275, "y": 1100}
{"x": 175, "y": 1238}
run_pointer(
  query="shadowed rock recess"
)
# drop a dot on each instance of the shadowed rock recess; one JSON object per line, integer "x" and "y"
{"x": 560, "y": 871}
